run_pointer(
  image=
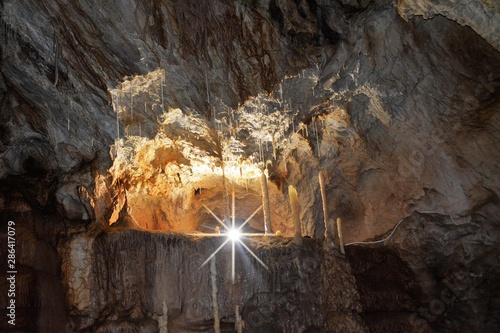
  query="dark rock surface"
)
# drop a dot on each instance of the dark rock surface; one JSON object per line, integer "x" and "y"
{"x": 157, "y": 278}
{"x": 142, "y": 115}
{"x": 457, "y": 267}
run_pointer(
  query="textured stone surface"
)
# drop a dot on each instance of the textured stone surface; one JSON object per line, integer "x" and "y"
{"x": 162, "y": 277}
{"x": 387, "y": 288}
{"x": 357, "y": 94}
{"x": 166, "y": 106}
{"x": 483, "y": 16}
{"x": 457, "y": 266}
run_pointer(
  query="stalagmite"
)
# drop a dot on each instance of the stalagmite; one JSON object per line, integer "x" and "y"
{"x": 215, "y": 305}
{"x": 238, "y": 321}
{"x": 294, "y": 204}
{"x": 329, "y": 233}
{"x": 163, "y": 319}
{"x": 265, "y": 203}
{"x": 341, "y": 241}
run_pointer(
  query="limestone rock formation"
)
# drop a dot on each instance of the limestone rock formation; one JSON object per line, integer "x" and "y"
{"x": 129, "y": 128}
{"x": 483, "y": 16}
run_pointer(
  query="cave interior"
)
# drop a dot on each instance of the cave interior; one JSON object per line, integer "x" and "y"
{"x": 250, "y": 166}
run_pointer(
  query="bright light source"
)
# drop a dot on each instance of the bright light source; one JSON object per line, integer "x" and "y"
{"x": 234, "y": 234}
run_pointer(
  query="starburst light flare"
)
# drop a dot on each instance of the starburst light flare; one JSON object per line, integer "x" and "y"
{"x": 233, "y": 234}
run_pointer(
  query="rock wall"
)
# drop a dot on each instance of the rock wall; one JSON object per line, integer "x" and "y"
{"x": 483, "y": 16}
{"x": 162, "y": 282}
{"x": 348, "y": 92}
{"x": 166, "y": 106}
{"x": 457, "y": 268}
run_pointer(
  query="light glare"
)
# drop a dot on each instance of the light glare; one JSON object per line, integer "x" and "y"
{"x": 234, "y": 235}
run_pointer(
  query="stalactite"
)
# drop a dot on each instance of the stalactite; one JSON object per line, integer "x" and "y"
{"x": 341, "y": 240}
{"x": 117, "y": 108}
{"x": 265, "y": 203}
{"x": 224, "y": 192}
{"x": 274, "y": 146}
{"x": 131, "y": 102}
{"x": 56, "y": 62}
{"x": 260, "y": 149}
{"x": 206, "y": 84}
{"x": 215, "y": 305}
{"x": 70, "y": 109}
{"x": 317, "y": 138}
{"x": 281, "y": 93}
{"x": 294, "y": 204}
{"x": 162, "y": 103}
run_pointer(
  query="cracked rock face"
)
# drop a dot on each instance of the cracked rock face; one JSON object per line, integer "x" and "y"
{"x": 122, "y": 115}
